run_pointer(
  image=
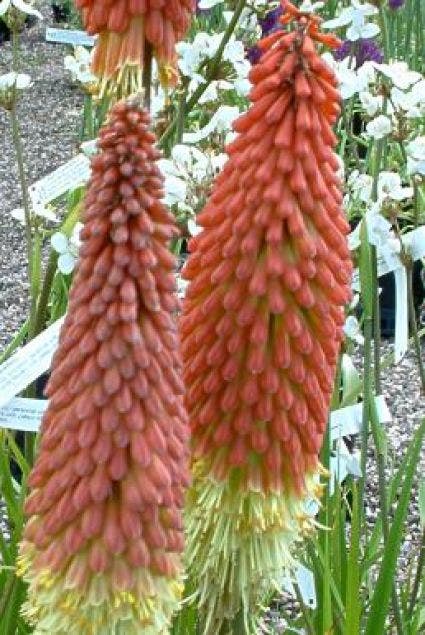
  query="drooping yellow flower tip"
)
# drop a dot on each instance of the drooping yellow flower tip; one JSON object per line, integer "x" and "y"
{"x": 261, "y": 328}
{"x": 101, "y": 549}
{"x": 126, "y": 28}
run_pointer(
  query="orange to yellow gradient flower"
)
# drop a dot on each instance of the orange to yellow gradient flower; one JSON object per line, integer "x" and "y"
{"x": 127, "y": 30}
{"x": 262, "y": 324}
{"x": 101, "y": 549}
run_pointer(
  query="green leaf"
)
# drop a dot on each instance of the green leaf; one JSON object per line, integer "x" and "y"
{"x": 352, "y": 600}
{"x": 381, "y": 597}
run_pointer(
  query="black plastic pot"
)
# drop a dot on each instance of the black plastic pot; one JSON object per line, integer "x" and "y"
{"x": 387, "y": 298}
{"x": 61, "y": 11}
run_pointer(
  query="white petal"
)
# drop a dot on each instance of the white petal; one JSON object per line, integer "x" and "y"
{"x": 59, "y": 242}
{"x": 208, "y": 4}
{"x": 18, "y": 214}
{"x": 4, "y": 5}
{"x": 26, "y": 8}
{"x": 193, "y": 228}
{"x": 370, "y": 30}
{"x": 66, "y": 263}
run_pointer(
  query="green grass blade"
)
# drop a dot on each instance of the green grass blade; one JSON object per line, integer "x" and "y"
{"x": 382, "y": 594}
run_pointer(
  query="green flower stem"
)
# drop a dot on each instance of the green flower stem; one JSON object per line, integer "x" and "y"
{"x": 32, "y": 267}
{"x": 367, "y": 302}
{"x": 384, "y": 30}
{"x": 181, "y": 114}
{"x": 414, "y": 327}
{"x": 15, "y": 50}
{"x": 374, "y": 282}
{"x": 67, "y": 227}
{"x": 212, "y": 69}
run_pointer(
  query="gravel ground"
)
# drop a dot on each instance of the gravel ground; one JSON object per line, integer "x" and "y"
{"x": 50, "y": 114}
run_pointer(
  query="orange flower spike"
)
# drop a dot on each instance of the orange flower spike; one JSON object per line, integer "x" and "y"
{"x": 101, "y": 549}
{"x": 261, "y": 328}
{"x": 125, "y": 29}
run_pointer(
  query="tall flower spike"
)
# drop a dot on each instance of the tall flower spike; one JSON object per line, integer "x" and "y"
{"x": 126, "y": 28}
{"x": 101, "y": 549}
{"x": 261, "y": 329}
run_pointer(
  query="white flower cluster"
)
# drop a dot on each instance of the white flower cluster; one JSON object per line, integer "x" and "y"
{"x": 79, "y": 66}
{"x": 194, "y": 55}
{"x": 188, "y": 173}
{"x": 355, "y": 19}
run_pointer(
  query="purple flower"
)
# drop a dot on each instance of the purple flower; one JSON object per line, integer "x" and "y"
{"x": 253, "y": 54}
{"x": 270, "y": 22}
{"x": 395, "y": 4}
{"x": 364, "y": 51}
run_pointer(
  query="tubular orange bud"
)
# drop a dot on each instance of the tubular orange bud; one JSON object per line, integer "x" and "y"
{"x": 261, "y": 328}
{"x": 112, "y": 467}
{"x": 125, "y": 29}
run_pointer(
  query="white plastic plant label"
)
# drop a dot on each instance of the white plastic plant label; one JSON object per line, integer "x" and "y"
{"x": 68, "y": 176}
{"x": 343, "y": 463}
{"x": 69, "y": 36}
{"x": 414, "y": 242}
{"x": 348, "y": 420}
{"x": 401, "y": 337}
{"x": 28, "y": 363}
{"x": 305, "y": 581}
{"x": 23, "y": 414}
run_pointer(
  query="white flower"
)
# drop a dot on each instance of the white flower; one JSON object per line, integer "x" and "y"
{"x": 360, "y": 185}
{"x": 193, "y": 228}
{"x": 350, "y": 79}
{"x": 412, "y": 101}
{"x": 20, "y": 81}
{"x": 389, "y": 186}
{"x": 416, "y": 156}
{"x": 221, "y": 121}
{"x": 204, "y": 47}
{"x": 10, "y": 85}
{"x": 371, "y": 103}
{"x": 20, "y": 5}
{"x": 67, "y": 248}
{"x": 307, "y": 6}
{"x": 399, "y": 74}
{"x": 354, "y": 18}
{"x": 208, "y": 4}
{"x": 379, "y": 127}
{"x": 79, "y": 65}
{"x": 185, "y": 173}
{"x": 352, "y": 329}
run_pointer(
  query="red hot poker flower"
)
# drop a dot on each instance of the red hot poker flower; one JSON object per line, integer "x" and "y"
{"x": 101, "y": 547}
{"x": 262, "y": 325}
{"x": 126, "y": 27}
